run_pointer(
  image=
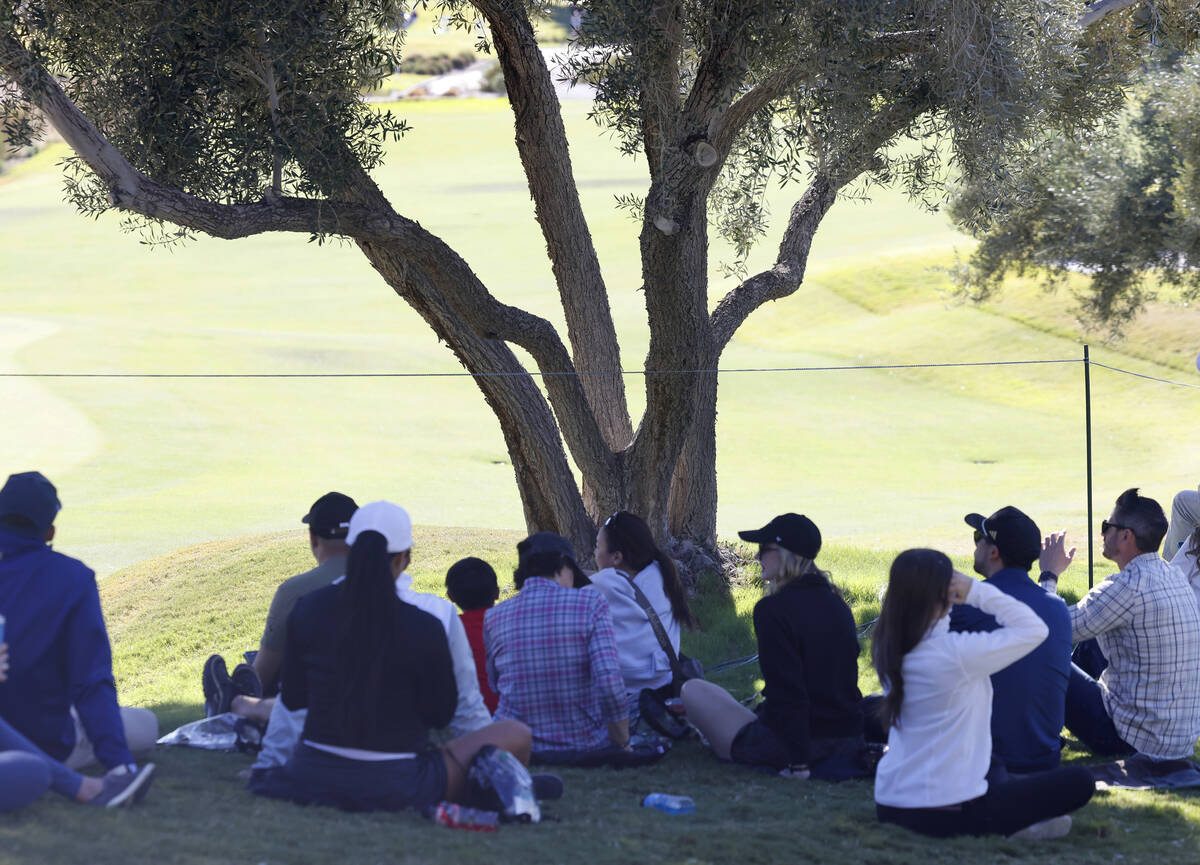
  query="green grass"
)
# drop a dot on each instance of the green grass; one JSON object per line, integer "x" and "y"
{"x": 167, "y": 615}
{"x": 880, "y": 458}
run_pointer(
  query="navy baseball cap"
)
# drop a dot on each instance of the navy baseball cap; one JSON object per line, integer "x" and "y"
{"x": 1015, "y": 535}
{"x": 33, "y": 499}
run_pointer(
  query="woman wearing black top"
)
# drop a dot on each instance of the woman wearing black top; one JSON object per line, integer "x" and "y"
{"x": 810, "y": 720}
{"x": 375, "y": 674}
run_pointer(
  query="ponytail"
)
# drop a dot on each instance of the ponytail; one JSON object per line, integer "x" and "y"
{"x": 628, "y": 534}
{"x": 365, "y": 631}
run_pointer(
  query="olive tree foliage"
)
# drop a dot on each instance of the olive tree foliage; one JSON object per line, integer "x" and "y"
{"x": 1121, "y": 205}
{"x": 235, "y": 118}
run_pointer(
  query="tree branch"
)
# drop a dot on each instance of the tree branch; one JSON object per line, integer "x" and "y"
{"x": 545, "y": 156}
{"x": 787, "y": 274}
{"x": 132, "y": 190}
{"x": 883, "y": 47}
{"x": 1095, "y": 11}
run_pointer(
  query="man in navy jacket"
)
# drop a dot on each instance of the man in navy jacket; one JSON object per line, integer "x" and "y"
{"x": 1029, "y": 696}
{"x": 60, "y": 691}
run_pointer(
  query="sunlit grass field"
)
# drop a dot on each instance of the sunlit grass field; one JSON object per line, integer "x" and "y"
{"x": 880, "y": 458}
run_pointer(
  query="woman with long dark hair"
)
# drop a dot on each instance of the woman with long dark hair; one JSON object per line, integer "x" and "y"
{"x": 628, "y": 556}
{"x": 375, "y": 674}
{"x": 810, "y": 721}
{"x": 938, "y": 709}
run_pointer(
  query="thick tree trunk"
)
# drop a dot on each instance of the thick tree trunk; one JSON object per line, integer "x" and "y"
{"x": 549, "y": 495}
{"x": 693, "y": 502}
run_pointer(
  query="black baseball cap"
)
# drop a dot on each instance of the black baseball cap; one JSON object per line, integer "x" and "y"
{"x": 329, "y": 516}
{"x": 1015, "y": 535}
{"x": 794, "y": 532}
{"x": 33, "y": 499}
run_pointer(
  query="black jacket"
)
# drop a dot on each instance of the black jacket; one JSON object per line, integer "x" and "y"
{"x": 808, "y": 651}
{"x": 416, "y": 691}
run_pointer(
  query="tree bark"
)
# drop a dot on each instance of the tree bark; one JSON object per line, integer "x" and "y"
{"x": 542, "y": 144}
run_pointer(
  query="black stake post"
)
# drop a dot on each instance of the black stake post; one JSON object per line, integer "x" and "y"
{"x": 1087, "y": 425}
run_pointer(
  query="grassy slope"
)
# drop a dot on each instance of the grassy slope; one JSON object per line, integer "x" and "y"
{"x": 166, "y": 615}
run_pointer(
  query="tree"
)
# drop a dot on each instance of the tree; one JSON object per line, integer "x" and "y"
{"x": 234, "y": 118}
{"x": 1122, "y": 206}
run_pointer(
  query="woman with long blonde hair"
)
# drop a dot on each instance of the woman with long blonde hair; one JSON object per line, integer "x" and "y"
{"x": 810, "y": 720}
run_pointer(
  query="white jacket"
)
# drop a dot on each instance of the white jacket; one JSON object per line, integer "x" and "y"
{"x": 644, "y": 664}
{"x": 939, "y": 751}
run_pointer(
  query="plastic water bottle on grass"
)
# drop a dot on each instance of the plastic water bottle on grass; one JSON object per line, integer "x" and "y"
{"x": 460, "y": 817}
{"x": 669, "y": 804}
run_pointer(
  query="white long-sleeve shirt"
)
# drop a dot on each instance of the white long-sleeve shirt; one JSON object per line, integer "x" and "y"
{"x": 941, "y": 747}
{"x": 644, "y": 664}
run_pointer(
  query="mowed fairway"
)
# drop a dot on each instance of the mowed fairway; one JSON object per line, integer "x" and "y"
{"x": 883, "y": 458}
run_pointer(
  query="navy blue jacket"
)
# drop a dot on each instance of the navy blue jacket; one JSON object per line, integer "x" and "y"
{"x": 58, "y": 651}
{"x": 1029, "y": 695}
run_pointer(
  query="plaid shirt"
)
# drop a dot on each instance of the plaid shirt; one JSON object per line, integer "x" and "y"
{"x": 1146, "y": 621}
{"x": 552, "y": 658}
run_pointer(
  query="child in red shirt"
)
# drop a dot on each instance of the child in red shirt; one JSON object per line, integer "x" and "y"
{"x": 471, "y": 584}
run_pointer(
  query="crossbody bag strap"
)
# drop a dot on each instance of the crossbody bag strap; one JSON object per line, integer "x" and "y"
{"x": 659, "y": 632}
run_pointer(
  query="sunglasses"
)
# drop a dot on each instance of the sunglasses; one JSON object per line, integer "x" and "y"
{"x": 1105, "y": 525}
{"x": 763, "y": 550}
{"x": 983, "y": 532}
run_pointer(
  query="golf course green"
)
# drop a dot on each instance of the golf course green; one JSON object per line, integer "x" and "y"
{"x": 882, "y": 458}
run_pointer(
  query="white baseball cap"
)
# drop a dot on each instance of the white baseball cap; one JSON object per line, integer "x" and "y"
{"x": 390, "y": 520}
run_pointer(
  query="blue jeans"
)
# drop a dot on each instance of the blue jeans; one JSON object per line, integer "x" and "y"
{"x": 1087, "y": 718}
{"x": 61, "y": 779}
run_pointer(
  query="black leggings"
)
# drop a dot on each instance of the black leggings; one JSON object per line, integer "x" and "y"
{"x": 1007, "y": 807}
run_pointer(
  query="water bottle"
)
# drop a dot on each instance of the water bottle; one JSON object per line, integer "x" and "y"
{"x": 669, "y": 804}
{"x": 456, "y": 816}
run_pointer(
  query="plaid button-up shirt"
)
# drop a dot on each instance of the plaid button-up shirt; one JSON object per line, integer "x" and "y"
{"x": 1146, "y": 621}
{"x": 552, "y": 658}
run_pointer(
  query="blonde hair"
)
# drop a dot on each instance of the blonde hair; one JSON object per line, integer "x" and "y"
{"x": 793, "y": 565}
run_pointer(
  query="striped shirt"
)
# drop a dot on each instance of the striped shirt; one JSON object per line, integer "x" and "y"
{"x": 552, "y": 659}
{"x": 1146, "y": 621}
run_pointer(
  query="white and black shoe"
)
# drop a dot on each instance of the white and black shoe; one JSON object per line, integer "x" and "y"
{"x": 124, "y": 786}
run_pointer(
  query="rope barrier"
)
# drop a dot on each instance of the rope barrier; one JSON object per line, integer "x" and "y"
{"x": 539, "y": 374}
{"x": 1141, "y": 375}
{"x": 313, "y": 375}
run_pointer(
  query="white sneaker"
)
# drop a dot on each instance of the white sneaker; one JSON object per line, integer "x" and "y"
{"x": 1055, "y": 827}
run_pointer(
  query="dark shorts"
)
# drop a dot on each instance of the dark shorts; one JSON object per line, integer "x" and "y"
{"x": 758, "y": 745}
{"x": 315, "y": 777}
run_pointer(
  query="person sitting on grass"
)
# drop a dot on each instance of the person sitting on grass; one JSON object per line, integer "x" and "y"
{"x": 627, "y": 557}
{"x": 60, "y": 692}
{"x": 376, "y": 675}
{"x": 1187, "y": 560}
{"x": 283, "y": 731}
{"x": 26, "y": 772}
{"x": 1135, "y": 683}
{"x": 810, "y": 720}
{"x": 1185, "y": 519}
{"x": 251, "y": 690}
{"x": 552, "y": 658}
{"x": 938, "y": 706}
{"x": 471, "y": 583}
{"x": 1031, "y": 693}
